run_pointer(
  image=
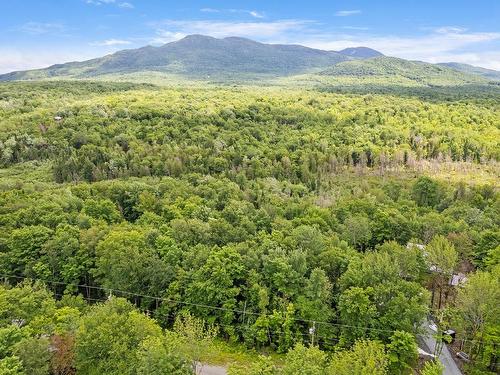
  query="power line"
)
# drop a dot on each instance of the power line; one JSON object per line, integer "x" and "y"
{"x": 172, "y": 319}
{"x": 169, "y": 300}
{"x": 245, "y": 312}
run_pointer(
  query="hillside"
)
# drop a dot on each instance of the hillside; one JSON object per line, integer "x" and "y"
{"x": 395, "y": 70}
{"x": 203, "y": 58}
{"x": 466, "y": 68}
{"x": 361, "y": 52}
{"x": 196, "y": 56}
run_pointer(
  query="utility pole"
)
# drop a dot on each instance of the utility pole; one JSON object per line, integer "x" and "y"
{"x": 244, "y": 312}
{"x": 312, "y": 331}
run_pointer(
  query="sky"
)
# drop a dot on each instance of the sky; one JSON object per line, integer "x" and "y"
{"x": 38, "y": 33}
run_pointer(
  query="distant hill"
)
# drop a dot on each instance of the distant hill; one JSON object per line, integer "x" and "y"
{"x": 471, "y": 69}
{"x": 360, "y": 52}
{"x": 393, "y": 69}
{"x": 199, "y": 57}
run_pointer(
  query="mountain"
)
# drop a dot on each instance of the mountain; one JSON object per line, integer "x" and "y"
{"x": 395, "y": 70}
{"x": 471, "y": 69}
{"x": 197, "y": 56}
{"x": 360, "y": 52}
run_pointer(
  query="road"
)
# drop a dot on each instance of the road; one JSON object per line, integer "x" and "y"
{"x": 210, "y": 370}
{"x": 446, "y": 358}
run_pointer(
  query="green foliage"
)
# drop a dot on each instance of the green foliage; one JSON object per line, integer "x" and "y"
{"x": 488, "y": 73}
{"x": 158, "y": 356}
{"x": 103, "y": 209}
{"x": 151, "y": 132}
{"x": 9, "y": 336}
{"x": 217, "y": 282}
{"x": 125, "y": 261}
{"x": 366, "y": 357}
{"x": 426, "y": 192}
{"x": 109, "y": 336}
{"x": 34, "y": 355}
{"x": 374, "y": 295}
{"x": 263, "y": 366}
{"x": 410, "y": 261}
{"x": 402, "y": 353}
{"x": 357, "y": 312}
{"x": 442, "y": 255}
{"x": 194, "y": 335}
{"x": 357, "y": 231}
{"x": 393, "y": 69}
{"x": 307, "y": 361}
{"x": 25, "y": 248}
{"x": 250, "y": 215}
{"x": 11, "y": 366}
{"x": 487, "y": 248}
{"x": 432, "y": 368}
{"x": 315, "y": 303}
{"x": 29, "y": 304}
{"x": 478, "y": 316}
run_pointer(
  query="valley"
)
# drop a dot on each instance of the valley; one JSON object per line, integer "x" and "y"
{"x": 253, "y": 188}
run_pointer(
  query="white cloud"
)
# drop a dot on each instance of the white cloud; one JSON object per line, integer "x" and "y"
{"x": 411, "y": 47}
{"x": 38, "y": 28}
{"x": 100, "y": 2}
{"x": 173, "y": 29}
{"x": 489, "y": 60}
{"x": 357, "y": 28}
{"x": 256, "y": 14}
{"x": 120, "y": 4}
{"x": 439, "y": 45}
{"x": 126, "y": 5}
{"x": 33, "y": 58}
{"x": 209, "y": 10}
{"x": 253, "y": 13}
{"x": 448, "y": 29}
{"x": 111, "y": 42}
{"x": 164, "y": 36}
{"x": 347, "y": 13}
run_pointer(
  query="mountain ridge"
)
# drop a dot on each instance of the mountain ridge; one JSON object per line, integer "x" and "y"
{"x": 204, "y": 57}
{"x": 196, "y": 56}
{"x": 467, "y": 68}
{"x": 361, "y": 52}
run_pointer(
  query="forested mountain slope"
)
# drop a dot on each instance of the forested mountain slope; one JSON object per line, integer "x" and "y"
{"x": 202, "y": 58}
{"x": 197, "y": 56}
{"x": 392, "y": 70}
{"x": 361, "y": 52}
{"x": 470, "y": 69}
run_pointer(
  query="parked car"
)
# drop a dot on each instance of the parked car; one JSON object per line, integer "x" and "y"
{"x": 433, "y": 327}
{"x": 463, "y": 356}
{"x": 450, "y": 334}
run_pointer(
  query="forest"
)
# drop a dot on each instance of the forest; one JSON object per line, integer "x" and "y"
{"x": 145, "y": 229}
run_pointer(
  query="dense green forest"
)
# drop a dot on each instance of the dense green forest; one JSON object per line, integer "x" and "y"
{"x": 141, "y": 226}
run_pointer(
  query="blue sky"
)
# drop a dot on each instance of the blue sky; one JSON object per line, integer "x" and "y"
{"x": 38, "y": 33}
